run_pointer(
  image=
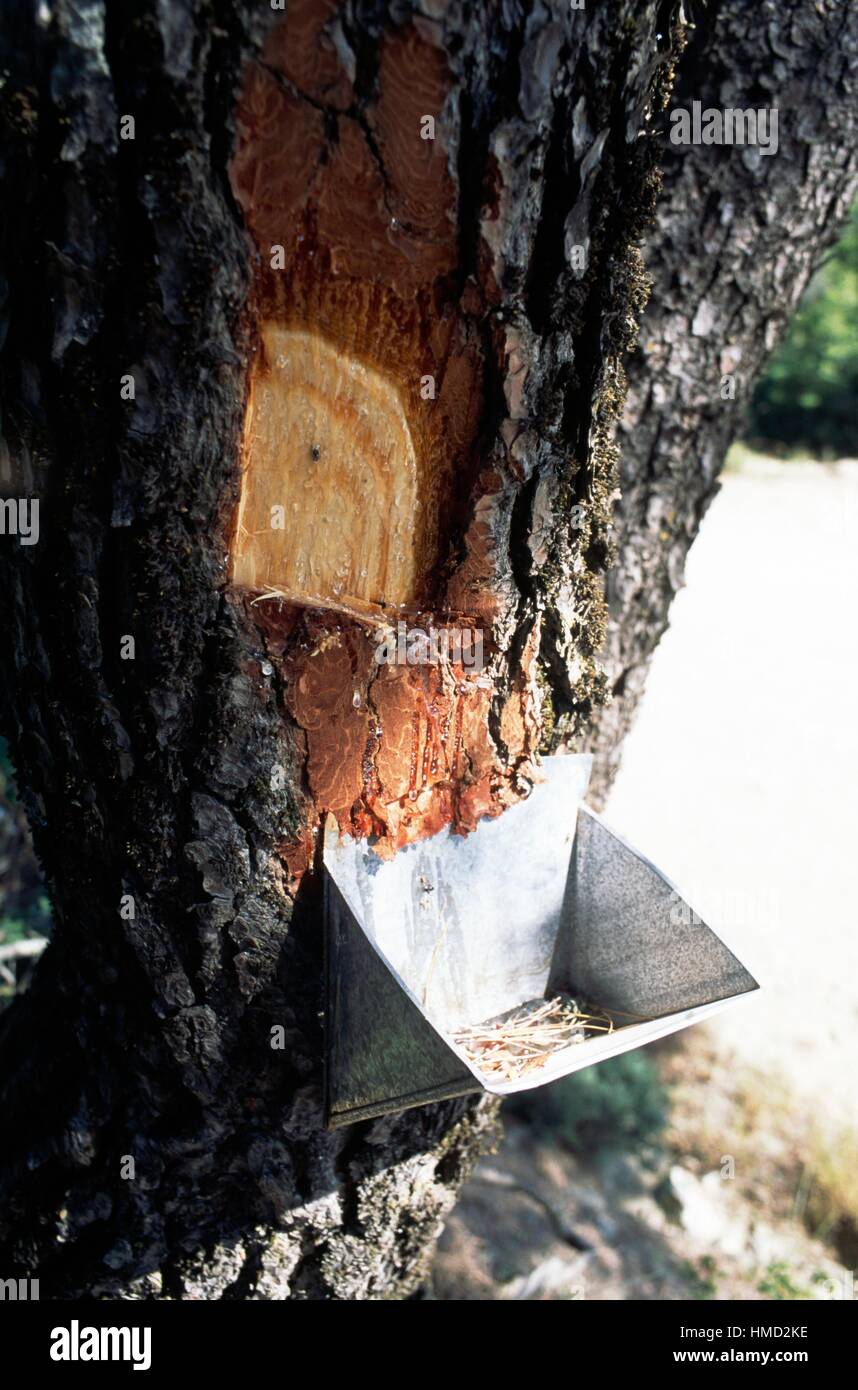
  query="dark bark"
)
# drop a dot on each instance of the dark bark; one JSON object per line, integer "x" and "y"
{"x": 736, "y": 240}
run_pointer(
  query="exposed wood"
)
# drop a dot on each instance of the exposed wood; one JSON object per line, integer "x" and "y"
{"x": 352, "y": 212}
{"x": 330, "y": 499}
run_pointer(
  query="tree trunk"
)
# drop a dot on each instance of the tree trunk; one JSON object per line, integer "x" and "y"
{"x": 283, "y": 246}
{"x": 736, "y": 240}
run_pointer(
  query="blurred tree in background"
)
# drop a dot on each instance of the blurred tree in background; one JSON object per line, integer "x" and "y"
{"x": 808, "y": 399}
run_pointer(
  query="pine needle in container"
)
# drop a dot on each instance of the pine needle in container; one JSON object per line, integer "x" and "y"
{"x": 514, "y": 1044}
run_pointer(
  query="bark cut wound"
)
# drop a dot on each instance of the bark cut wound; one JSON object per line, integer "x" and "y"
{"x": 361, "y": 433}
{"x": 330, "y": 501}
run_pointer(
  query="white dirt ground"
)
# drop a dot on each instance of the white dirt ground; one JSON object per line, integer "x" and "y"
{"x": 740, "y": 778}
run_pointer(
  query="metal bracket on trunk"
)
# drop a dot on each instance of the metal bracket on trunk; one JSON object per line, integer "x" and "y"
{"x": 457, "y": 929}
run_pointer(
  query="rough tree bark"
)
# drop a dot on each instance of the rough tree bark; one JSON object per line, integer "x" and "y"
{"x": 154, "y": 1144}
{"x": 735, "y": 243}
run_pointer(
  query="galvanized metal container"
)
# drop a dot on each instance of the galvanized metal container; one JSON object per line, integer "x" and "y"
{"x": 457, "y": 929}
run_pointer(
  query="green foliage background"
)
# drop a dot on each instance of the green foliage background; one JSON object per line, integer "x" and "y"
{"x": 621, "y": 1103}
{"x": 808, "y": 399}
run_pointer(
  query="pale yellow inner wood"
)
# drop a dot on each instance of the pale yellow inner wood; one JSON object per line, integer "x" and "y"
{"x": 329, "y": 507}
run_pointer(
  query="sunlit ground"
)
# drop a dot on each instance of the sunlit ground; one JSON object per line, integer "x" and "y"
{"x": 740, "y": 778}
